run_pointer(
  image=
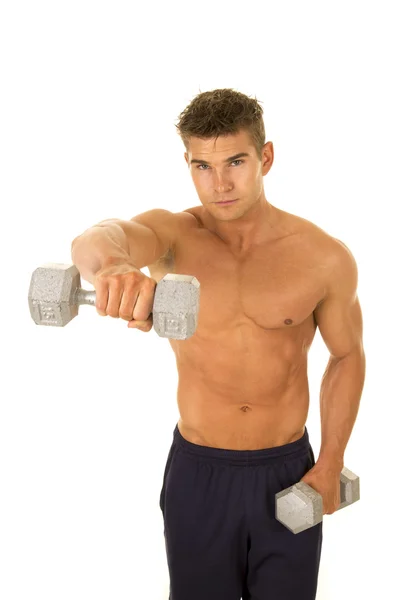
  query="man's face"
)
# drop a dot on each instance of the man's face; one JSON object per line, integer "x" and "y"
{"x": 219, "y": 174}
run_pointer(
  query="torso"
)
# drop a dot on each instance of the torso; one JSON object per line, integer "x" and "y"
{"x": 243, "y": 375}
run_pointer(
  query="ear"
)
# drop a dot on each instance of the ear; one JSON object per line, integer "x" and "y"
{"x": 186, "y": 157}
{"x": 267, "y": 157}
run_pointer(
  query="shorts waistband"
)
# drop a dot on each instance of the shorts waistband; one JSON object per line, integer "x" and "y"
{"x": 244, "y": 457}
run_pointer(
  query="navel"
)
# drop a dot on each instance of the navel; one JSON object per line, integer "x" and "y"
{"x": 245, "y": 408}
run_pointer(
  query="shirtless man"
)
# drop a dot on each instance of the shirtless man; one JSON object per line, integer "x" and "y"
{"x": 268, "y": 279}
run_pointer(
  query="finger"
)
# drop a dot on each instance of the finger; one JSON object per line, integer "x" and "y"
{"x": 114, "y": 300}
{"x": 144, "y": 303}
{"x": 128, "y": 301}
{"x": 101, "y": 297}
{"x": 134, "y": 325}
{"x": 143, "y": 325}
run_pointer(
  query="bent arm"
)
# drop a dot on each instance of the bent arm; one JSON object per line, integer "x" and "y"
{"x": 339, "y": 319}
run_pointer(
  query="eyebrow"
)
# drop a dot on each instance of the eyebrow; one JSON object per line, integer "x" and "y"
{"x": 227, "y": 160}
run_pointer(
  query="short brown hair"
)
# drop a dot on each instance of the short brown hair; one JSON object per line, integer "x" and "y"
{"x": 221, "y": 112}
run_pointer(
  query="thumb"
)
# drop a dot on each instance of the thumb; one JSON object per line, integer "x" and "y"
{"x": 134, "y": 324}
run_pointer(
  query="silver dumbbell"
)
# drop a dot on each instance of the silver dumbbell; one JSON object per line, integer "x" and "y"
{"x": 55, "y": 295}
{"x": 300, "y": 507}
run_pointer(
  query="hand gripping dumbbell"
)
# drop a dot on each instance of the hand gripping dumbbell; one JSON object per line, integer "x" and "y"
{"x": 300, "y": 507}
{"x": 55, "y": 296}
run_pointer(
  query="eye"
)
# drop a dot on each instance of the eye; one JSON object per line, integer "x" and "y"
{"x": 238, "y": 160}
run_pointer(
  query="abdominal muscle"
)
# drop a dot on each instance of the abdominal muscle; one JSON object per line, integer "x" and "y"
{"x": 243, "y": 404}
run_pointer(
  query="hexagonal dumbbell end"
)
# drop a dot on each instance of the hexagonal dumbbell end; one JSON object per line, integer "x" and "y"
{"x": 55, "y": 296}
{"x": 176, "y": 306}
{"x": 300, "y": 507}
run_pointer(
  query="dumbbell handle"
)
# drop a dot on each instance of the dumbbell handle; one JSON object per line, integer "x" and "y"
{"x": 85, "y": 297}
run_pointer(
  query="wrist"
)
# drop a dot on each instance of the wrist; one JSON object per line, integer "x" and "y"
{"x": 118, "y": 258}
{"x": 331, "y": 462}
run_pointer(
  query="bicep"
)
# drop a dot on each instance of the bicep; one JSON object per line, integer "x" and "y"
{"x": 339, "y": 316}
{"x": 163, "y": 230}
{"x": 150, "y": 235}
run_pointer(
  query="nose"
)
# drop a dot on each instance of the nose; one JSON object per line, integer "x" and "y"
{"x": 221, "y": 185}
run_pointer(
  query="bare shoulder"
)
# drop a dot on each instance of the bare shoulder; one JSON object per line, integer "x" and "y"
{"x": 314, "y": 237}
{"x": 194, "y": 216}
{"x": 339, "y": 266}
{"x": 332, "y": 258}
{"x": 165, "y": 223}
{"x": 185, "y": 222}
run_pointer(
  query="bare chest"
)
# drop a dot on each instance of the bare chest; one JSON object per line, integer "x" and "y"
{"x": 273, "y": 286}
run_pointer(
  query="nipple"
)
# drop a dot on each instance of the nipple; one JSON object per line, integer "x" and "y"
{"x": 288, "y": 321}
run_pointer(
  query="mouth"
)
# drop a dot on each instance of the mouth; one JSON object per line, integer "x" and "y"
{"x": 226, "y": 202}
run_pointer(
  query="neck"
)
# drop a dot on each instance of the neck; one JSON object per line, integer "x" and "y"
{"x": 248, "y": 228}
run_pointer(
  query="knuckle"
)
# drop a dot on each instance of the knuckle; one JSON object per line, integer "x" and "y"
{"x": 132, "y": 276}
{"x": 147, "y": 289}
{"x": 125, "y": 315}
{"x": 130, "y": 284}
{"x": 101, "y": 306}
{"x": 115, "y": 280}
{"x": 149, "y": 283}
{"x": 140, "y": 313}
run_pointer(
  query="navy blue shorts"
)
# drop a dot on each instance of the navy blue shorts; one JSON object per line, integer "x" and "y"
{"x": 222, "y": 539}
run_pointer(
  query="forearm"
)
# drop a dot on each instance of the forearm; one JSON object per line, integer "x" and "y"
{"x": 97, "y": 247}
{"x": 341, "y": 390}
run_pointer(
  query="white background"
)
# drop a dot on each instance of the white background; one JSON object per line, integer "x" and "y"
{"x": 90, "y": 93}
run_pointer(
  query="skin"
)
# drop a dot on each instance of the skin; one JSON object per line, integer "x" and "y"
{"x": 268, "y": 280}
